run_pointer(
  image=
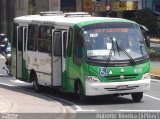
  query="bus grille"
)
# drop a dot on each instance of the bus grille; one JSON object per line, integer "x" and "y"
{"x": 122, "y": 77}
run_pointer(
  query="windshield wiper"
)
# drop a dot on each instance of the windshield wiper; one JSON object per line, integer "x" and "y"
{"x": 130, "y": 57}
{"x": 110, "y": 53}
{"x": 118, "y": 49}
{"x": 141, "y": 48}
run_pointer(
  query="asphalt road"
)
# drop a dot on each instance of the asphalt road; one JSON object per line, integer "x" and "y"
{"x": 121, "y": 104}
{"x": 149, "y": 103}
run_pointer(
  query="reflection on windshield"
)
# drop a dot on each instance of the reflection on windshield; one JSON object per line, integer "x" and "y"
{"x": 98, "y": 41}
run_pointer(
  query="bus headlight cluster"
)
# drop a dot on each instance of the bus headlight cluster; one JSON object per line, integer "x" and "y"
{"x": 92, "y": 79}
{"x": 146, "y": 76}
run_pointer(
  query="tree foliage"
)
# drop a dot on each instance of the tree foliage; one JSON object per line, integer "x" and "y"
{"x": 147, "y": 18}
{"x": 31, "y": 7}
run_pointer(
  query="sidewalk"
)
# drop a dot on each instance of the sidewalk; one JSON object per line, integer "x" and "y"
{"x": 155, "y": 69}
{"x": 155, "y": 64}
{"x": 16, "y": 101}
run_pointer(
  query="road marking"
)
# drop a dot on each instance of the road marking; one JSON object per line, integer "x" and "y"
{"x": 64, "y": 101}
{"x": 6, "y": 84}
{"x": 151, "y": 97}
{"x": 155, "y": 80}
{"x": 56, "y": 98}
{"x": 79, "y": 109}
{"x": 17, "y": 81}
{"x": 118, "y": 111}
{"x": 87, "y": 110}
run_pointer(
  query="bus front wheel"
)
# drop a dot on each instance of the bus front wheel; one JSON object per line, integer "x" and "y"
{"x": 80, "y": 93}
{"x": 137, "y": 97}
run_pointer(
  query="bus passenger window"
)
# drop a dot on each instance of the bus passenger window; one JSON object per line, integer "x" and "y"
{"x": 32, "y": 37}
{"x": 69, "y": 47}
{"x": 78, "y": 48}
{"x": 14, "y": 35}
{"x": 44, "y": 41}
{"x": 20, "y": 38}
{"x": 64, "y": 43}
{"x": 57, "y": 43}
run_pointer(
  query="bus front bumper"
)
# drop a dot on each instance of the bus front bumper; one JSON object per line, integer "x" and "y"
{"x": 127, "y": 87}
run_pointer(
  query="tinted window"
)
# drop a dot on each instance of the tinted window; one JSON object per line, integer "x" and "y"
{"x": 44, "y": 41}
{"x": 33, "y": 37}
{"x": 20, "y": 38}
{"x": 117, "y": 39}
{"x": 57, "y": 43}
{"x": 69, "y": 49}
{"x": 14, "y": 35}
{"x": 78, "y": 47}
{"x": 64, "y": 43}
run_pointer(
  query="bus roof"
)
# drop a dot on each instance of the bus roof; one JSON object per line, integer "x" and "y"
{"x": 64, "y": 20}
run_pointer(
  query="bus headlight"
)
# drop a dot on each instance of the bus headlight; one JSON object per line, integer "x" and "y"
{"x": 92, "y": 79}
{"x": 146, "y": 76}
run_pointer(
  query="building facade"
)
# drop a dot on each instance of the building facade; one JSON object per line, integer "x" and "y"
{"x": 55, "y": 5}
{"x": 68, "y": 5}
{"x": 157, "y": 6}
{"x": 114, "y": 8}
{"x": 9, "y": 9}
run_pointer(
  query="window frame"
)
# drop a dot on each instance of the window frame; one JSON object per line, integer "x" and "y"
{"x": 44, "y": 39}
{"x": 78, "y": 59}
{"x": 70, "y": 40}
{"x": 55, "y": 44}
{"x": 20, "y": 38}
{"x": 34, "y": 48}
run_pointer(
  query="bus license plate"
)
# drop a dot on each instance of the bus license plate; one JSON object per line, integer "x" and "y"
{"x": 122, "y": 87}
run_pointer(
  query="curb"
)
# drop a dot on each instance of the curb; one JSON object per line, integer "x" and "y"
{"x": 155, "y": 76}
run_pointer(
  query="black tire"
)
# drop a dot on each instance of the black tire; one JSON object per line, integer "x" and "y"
{"x": 36, "y": 86}
{"x": 80, "y": 93}
{"x": 137, "y": 97}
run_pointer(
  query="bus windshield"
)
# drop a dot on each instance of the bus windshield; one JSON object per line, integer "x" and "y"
{"x": 119, "y": 41}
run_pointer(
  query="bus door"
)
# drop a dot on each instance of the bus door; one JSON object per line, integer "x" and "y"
{"x": 64, "y": 41}
{"x": 43, "y": 56}
{"x": 58, "y": 56}
{"x": 21, "y": 41}
{"x": 64, "y": 49}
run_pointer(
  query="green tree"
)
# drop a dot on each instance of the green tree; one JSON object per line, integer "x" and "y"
{"x": 31, "y": 7}
{"x": 147, "y": 18}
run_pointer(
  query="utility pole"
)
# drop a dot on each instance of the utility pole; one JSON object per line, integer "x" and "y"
{"x": 8, "y": 10}
{"x": 10, "y": 14}
{"x": 3, "y": 23}
{"x": 82, "y": 5}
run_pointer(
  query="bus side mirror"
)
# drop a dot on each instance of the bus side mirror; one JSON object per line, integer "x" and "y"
{"x": 147, "y": 39}
{"x": 145, "y": 34}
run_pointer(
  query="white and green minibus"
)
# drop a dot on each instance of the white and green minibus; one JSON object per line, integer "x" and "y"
{"x": 81, "y": 54}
